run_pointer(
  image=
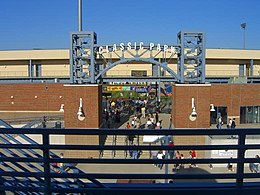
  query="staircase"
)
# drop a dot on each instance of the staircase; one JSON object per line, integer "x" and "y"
{"x": 122, "y": 140}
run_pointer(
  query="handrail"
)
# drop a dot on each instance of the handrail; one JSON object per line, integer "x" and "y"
{"x": 45, "y": 185}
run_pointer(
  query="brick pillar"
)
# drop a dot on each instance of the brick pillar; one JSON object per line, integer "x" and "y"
{"x": 182, "y": 108}
{"x": 91, "y": 96}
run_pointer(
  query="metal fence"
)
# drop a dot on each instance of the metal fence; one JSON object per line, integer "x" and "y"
{"x": 30, "y": 168}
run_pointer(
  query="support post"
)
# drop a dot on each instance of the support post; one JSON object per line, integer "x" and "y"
{"x": 46, "y": 163}
{"x": 241, "y": 158}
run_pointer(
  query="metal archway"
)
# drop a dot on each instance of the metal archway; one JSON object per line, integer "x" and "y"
{"x": 190, "y": 50}
{"x": 123, "y": 61}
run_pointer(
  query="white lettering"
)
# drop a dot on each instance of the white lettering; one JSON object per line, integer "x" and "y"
{"x": 114, "y": 47}
{"x": 129, "y": 46}
{"x": 173, "y": 49}
{"x": 122, "y": 46}
{"x": 100, "y": 50}
{"x": 151, "y": 46}
{"x": 135, "y": 46}
{"x": 158, "y": 47}
{"x": 141, "y": 45}
{"x": 165, "y": 47}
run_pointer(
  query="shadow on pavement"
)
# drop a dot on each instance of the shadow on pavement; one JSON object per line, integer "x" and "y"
{"x": 194, "y": 170}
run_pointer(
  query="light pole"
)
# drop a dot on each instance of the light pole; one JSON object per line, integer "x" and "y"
{"x": 79, "y": 15}
{"x": 243, "y": 26}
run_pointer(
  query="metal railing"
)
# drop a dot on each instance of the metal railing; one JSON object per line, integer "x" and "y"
{"x": 20, "y": 179}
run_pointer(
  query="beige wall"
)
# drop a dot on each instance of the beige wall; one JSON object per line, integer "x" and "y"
{"x": 219, "y": 62}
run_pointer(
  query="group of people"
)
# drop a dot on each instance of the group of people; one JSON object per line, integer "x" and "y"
{"x": 174, "y": 155}
{"x": 231, "y": 124}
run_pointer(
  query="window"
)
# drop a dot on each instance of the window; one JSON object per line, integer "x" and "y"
{"x": 138, "y": 73}
{"x": 38, "y": 70}
{"x": 222, "y": 111}
{"x": 249, "y": 114}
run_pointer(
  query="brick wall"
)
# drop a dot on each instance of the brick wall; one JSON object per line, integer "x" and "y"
{"x": 39, "y": 99}
{"x": 92, "y": 108}
{"x": 43, "y": 99}
{"x": 235, "y": 95}
{"x": 232, "y": 96}
{"x": 182, "y": 105}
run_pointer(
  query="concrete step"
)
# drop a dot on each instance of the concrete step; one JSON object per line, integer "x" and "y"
{"x": 120, "y": 140}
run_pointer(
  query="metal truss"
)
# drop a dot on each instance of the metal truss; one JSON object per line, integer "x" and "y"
{"x": 83, "y": 57}
{"x": 84, "y": 54}
{"x": 139, "y": 56}
{"x": 191, "y": 59}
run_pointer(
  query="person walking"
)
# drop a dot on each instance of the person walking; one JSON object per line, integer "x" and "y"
{"x": 233, "y": 124}
{"x": 219, "y": 122}
{"x": 171, "y": 152}
{"x": 135, "y": 153}
{"x": 160, "y": 156}
{"x": 256, "y": 164}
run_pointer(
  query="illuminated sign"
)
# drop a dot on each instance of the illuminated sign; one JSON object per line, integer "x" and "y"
{"x": 141, "y": 89}
{"x": 114, "y": 88}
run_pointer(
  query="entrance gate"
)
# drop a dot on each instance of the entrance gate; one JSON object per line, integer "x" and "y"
{"x": 90, "y": 61}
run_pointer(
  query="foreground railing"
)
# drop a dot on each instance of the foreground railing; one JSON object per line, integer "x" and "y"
{"x": 30, "y": 168}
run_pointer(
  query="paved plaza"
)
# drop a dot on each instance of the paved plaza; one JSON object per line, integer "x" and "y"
{"x": 150, "y": 168}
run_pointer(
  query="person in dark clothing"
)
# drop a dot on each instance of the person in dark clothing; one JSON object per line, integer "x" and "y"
{"x": 131, "y": 139}
{"x": 156, "y": 117}
{"x": 233, "y": 124}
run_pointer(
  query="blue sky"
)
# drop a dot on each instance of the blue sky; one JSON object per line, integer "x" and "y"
{"x": 28, "y": 24}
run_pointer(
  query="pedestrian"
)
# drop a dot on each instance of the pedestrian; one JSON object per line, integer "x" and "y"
{"x": 133, "y": 123}
{"x": 193, "y": 155}
{"x": 149, "y": 124}
{"x": 256, "y": 164}
{"x": 233, "y": 124}
{"x": 230, "y": 166}
{"x": 230, "y": 123}
{"x": 219, "y": 122}
{"x": 131, "y": 139}
{"x": 143, "y": 111}
{"x": 177, "y": 165}
{"x": 160, "y": 156}
{"x": 61, "y": 164}
{"x": 127, "y": 125}
{"x": 171, "y": 151}
{"x": 135, "y": 153}
{"x": 156, "y": 117}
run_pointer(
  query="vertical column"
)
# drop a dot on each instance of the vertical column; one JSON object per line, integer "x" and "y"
{"x": 241, "y": 70}
{"x": 185, "y": 98}
{"x": 251, "y": 67}
{"x": 191, "y": 58}
{"x": 83, "y": 53}
{"x": 83, "y": 109}
{"x": 30, "y": 69}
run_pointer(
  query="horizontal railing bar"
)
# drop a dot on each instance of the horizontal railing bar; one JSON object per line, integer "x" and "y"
{"x": 132, "y": 161}
{"x": 145, "y": 176}
{"x": 125, "y": 176}
{"x": 241, "y": 131}
{"x": 151, "y": 147}
{"x": 128, "y": 147}
{"x": 147, "y": 189}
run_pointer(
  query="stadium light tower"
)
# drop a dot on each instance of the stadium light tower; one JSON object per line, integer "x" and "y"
{"x": 79, "y": 15}
{"x": 243, "y": 26}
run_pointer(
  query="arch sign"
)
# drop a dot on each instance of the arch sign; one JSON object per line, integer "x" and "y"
{"x": 90, "y": 61}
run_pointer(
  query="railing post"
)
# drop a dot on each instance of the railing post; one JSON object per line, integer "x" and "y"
{"x": 241, "y": 158}
{"x": 46, "y": 165}
{"x": 126, "y": 143}
{"x": 166, "y": 157}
